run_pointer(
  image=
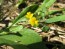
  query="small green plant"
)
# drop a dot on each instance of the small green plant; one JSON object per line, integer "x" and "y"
{"x": 20, "y": 37}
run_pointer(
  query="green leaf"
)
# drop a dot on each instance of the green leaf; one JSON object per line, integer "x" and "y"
{"x": 3, "y": 32}
{"x": 23, "y": 19}
{"x": 1, "y": 1}
{"x": 53, "y": 11}
{"x": 16, "y": 28}
{"x": 43, "y": 8}
{"x": 11, "y": 43}
{"x": 45, "y": 1}
{"x": 13, "y": 38}
{"x": 45, "y": 4}
{"x": 55, "y": 19}
{"x": 49, "y": 3}
{"x": 4, "y": 41}
{"x": 27, "y": 37}
{"x": 45, "y": 28}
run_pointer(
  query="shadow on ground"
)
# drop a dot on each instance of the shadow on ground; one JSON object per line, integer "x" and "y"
{"x": 47, "y": 45}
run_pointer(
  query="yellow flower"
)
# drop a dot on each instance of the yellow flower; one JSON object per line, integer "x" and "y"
{"x": 36, "y": 22}
{"x": 33, "y": 21}
{"x": 29, "y": 15}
